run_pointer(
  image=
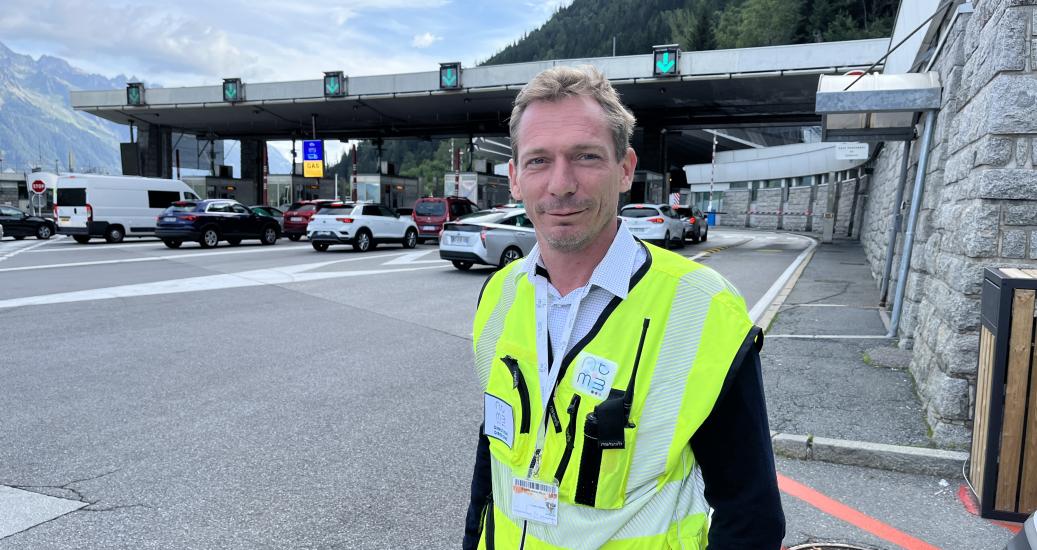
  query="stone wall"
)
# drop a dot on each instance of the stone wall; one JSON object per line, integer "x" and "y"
{"x": 768, "y": 203}
{"x": 797, "y": 208}
{"x": 736, "y": 208}
{"x": 980, "y": 203}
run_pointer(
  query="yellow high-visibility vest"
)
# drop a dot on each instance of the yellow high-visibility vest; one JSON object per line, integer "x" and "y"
{"x": 626, "y": 475}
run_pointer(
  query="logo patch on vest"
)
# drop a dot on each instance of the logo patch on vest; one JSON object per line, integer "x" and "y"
{"x": 594, "y": 375}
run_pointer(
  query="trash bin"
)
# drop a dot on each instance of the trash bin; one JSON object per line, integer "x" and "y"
{"x": 711, "y": 218}
{"x": 1003, "y": 467}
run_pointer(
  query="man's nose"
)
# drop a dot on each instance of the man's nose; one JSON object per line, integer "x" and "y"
{"x": 563, "y": 178}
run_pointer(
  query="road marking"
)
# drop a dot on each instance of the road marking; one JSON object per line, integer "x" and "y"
{"x": 21, "y": 510}
{"x": 256, "y": 277}
{"x": 100, "y": 246}
{"x": 170, "y": 257}
{"x": 412, "y": 258}
{"x": 850, "y": 515}
{"x": 18, "y": 251}
{"x": 965, "y": 496}
{"x": 762, "y": 305}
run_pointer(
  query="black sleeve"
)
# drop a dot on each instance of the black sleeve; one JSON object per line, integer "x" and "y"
{"x": 733, "y": 448}
{"x": 481, "y": 488}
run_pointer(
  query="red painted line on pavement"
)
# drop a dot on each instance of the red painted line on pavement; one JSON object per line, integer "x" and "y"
{"x": 972, "y": 507}
{"x": 854, "y": 517}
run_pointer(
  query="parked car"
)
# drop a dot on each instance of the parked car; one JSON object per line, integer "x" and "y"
{"x": 430, "y": 213}
{"x": 654, "y": 222}
{"x": 213, "y": 220}
{"x": 492, "y": 237}
{"x": 112, "y": 207}
{"x": 409, "y": 212}
{"x": 270, "y": 212}
{"x": 363, "y": 225}
{"x": 696, "y": 227}
{"x": 19, "y": 225}
{"x": 298, "y": 215}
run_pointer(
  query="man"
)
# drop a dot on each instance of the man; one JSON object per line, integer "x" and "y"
{"x": 622, "y": 388}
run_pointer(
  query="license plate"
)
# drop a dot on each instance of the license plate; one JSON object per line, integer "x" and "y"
{"x": 428, "y": 228}
{"x": 454, "y": 239}
{"x": 66, "y": 218}
{"x": 169, "y": 219}
{"x": 636, "y": 229}
{"x": 296, "y": 218}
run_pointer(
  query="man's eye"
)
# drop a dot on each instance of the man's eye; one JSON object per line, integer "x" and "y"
{"x": 588, "y": 156}
{"x": 535, "y": 161}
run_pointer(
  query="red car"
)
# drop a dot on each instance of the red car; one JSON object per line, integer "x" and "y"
{"x": 431, "y": 213}
{"x": 298, "y": 216}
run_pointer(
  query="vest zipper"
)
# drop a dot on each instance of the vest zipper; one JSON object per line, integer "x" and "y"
{"x": 519, "y": 384}
{"x": 570, "y": 439}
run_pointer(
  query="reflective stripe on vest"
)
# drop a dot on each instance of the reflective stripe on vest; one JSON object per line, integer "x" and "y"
{"x": 634, "y": 489}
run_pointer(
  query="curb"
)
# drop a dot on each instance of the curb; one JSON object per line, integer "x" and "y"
{"x": 896, "y": 458}
{"x": 791, "y": 276}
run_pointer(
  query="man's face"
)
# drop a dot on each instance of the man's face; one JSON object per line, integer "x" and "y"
{"x": 566, "y": 172}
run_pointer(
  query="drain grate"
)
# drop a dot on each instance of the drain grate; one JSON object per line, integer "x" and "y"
{"x": 828, "y": 546}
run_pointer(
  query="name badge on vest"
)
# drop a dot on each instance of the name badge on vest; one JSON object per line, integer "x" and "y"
{"x": 498, "y": 419}
{"x": 534, "y": 500}
{"x": 594, "y": 375}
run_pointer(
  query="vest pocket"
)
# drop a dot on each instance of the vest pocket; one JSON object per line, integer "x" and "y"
{"x": 508, "y": 383}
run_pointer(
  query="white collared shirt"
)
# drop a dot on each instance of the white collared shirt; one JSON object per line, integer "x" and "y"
{"x": 611, "y": 278}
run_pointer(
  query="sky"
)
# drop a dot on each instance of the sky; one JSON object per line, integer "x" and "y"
{"x": 195, "y": 42}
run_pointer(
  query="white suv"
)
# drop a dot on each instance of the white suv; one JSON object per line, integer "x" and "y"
{"x": 362, "y": 225}
{"x": 654, "y": 222}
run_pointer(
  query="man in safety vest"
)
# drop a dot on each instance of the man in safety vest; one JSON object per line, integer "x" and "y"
{"x": 622, "y": 388}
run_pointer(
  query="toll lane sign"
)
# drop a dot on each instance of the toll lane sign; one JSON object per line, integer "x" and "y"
{"x": 313, "y": 159}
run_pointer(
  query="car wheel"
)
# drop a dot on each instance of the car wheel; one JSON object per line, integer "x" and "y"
{"x": 462, "y": 265}
{"x": 234, "y": 242}
{"x": 269, "y": 236}
{"x": 410, "y": 239}
{"x": 666, "y": 241}
{"x": 362, "y": 241}
{"x": 695, "y": 238}
{"x": 81, "y": 239}
{"x": 319, "y": 247}
{"x": 44, "y": 232}
{"x": 172, "y": 243}
{"x": 114, "y": 234}
{"x": 294, "y": 237}
{"x": 510, "y": 255}
{"x": 210, "y": 238}
{"x": 704, "y": 235}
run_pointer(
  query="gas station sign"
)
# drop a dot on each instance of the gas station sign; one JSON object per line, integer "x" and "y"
{"x": 313, "y": 159}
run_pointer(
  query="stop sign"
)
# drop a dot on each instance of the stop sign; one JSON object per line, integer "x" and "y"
{"x": 39, "y": 186}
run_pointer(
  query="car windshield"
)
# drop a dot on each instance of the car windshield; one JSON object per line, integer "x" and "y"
{"x": 430, "y": 208}
{"x": 639, "y": 212}
{"x": 337, "y": 211}
{"x": 181, "y": 207}
{"x": 306, "y": 208}
{"x": 485, "y": 216}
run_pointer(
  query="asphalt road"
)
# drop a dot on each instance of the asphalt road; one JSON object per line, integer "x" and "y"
{"x": 271, "y": 397}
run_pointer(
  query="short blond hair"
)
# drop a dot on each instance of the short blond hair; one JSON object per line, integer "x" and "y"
{"x": 560, "y": 82}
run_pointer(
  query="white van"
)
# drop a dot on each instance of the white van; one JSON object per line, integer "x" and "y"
{"x": 113, "y": 207}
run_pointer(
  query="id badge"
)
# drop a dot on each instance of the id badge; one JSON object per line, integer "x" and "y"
{"x": 534, "y": 501}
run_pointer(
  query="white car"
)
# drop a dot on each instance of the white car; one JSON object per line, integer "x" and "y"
{"x": 494, "y": 237}
{"x": 658, "y": 223}
{"x": 363, "y": 225}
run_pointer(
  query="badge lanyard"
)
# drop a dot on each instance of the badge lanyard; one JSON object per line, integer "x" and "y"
{"x": 548, "y": 372}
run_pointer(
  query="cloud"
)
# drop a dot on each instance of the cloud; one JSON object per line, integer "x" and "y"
{"x": 425, "y": 40}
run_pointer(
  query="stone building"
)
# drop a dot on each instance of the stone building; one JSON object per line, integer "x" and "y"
{"x": 979, "y": 207}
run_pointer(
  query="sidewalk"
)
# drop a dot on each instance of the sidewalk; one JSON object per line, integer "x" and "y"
{"x": 830, "y": 374}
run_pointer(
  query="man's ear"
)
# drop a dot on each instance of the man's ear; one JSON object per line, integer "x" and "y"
{"x": 629, "y": 163}
{"x": 513, "y": 180}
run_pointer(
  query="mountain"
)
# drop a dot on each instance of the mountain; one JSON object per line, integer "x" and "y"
{"x": 38, "y": 126}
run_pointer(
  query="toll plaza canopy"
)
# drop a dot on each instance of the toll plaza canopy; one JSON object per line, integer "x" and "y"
{"x": 710, "y": 89}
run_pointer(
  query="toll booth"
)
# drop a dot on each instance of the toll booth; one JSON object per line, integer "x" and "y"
{"x": 211, "y": 187}
{"x": 647, "y": 187}
{"x": 484, "y": 190}
{"x": 392, "y": 191}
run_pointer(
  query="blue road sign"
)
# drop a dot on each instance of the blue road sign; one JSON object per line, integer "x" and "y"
{"x": 313, "y": 150}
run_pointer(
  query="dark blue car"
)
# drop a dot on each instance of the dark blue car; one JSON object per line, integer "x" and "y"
{"x": 210, "y": 221}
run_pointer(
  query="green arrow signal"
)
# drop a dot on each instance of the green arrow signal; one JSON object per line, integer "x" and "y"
{"x": 449, "y": 78}
{"x": 134, "y": 95}
{"x": 332, "y": 85}
{"x": 666, "y": 64}
{"x": 230, "y": 90}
